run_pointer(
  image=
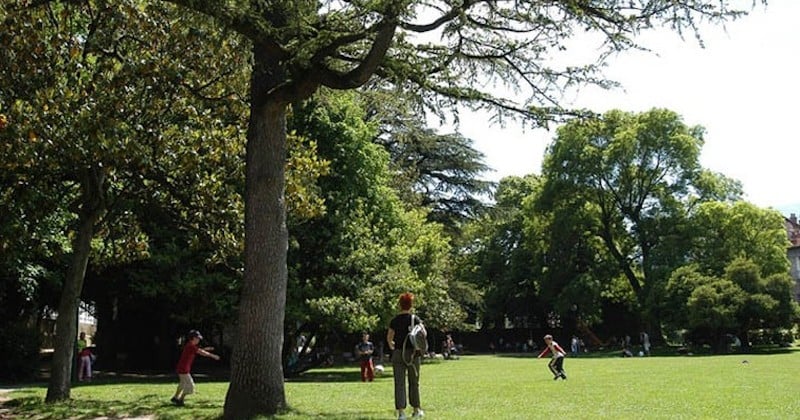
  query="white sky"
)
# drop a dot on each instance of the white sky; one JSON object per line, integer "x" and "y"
{"x": 742, "y": 88}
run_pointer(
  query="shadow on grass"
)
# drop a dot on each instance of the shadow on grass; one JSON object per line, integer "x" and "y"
{"x": 35, "y": 407}
{"x": 351, "y": 415}
{"x": 332, "y": 375}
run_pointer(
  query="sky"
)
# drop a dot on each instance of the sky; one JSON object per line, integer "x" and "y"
{"x": 742, "y": 87}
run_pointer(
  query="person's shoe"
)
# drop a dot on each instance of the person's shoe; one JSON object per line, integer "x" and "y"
{"x": 555, "y": 378}
{"x": 563, "y": 375}
{"x": 177, "y": 402}
{"x": 402, "y": 416}
{"x": 418, "y": 414}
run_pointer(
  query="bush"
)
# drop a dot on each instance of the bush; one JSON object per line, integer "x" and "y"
{"x": 20, "y": 352}
{"x": 771, "y": 336}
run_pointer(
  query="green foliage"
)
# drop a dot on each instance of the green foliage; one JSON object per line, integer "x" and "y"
{"x": 439, "y": 171}
{"x": 725, "y": 231}
{"x": 20, "y": 348}
{"x": 737, "y": 303}
{"x": 621, "y": 187}
{"x": 714, "y": 305}
{"x": 350, "y": 263}
{"x": 499, "y": 260}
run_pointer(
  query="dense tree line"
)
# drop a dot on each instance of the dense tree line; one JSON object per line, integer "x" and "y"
{"x": 139, "y": 135}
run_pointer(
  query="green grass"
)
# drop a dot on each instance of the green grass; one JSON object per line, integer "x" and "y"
{"x": 481, "y": 387}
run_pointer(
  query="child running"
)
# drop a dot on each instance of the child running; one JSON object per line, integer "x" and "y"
{"x": 556, "y": 363}
{"x": 184, "y": 368}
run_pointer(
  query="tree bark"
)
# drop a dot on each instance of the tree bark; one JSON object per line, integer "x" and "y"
{"x": 256, "y": 386}
{"x": 92, "y": 208}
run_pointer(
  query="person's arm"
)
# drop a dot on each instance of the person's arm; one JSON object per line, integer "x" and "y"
{"x": 205, "y": 353}
{"x": 390, "y": 338}
{"x": 546, "y": 349}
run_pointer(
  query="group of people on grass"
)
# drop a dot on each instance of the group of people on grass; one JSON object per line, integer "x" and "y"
{"x": 406, "y": 360}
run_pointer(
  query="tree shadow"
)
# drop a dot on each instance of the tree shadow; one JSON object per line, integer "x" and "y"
{"x": 35, "y": 407}
{"x": 330, "y": 375}
{"x": 360, "y": 415}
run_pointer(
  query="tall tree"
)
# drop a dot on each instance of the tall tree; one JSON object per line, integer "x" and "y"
{"x": 641, "y": 174}
{"x": 349, "y": 264}
{"x": 443, "y": 172}
{"x": 724, "y": 231}
{"x": 499, "y": 258}
{"x": 299, "y": 46}
{"x": 88, "y": 114}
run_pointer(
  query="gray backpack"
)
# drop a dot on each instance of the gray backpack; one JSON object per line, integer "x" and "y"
{"x": 417, "y": 335}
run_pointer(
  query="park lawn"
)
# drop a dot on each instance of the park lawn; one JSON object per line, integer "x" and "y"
{"x": 481, "y": 387}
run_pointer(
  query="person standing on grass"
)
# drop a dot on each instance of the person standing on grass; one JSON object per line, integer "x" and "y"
{"x": 556, "y": 363}
{"x": 645, "y": 339}
{"x": 184, "y": 367}
{"x": 364, "y": 351}
{"x": 84, "y": 359}
{"x": 405, "y": 359}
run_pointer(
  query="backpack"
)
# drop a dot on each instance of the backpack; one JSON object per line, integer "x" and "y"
{"x": 417, "y": 335}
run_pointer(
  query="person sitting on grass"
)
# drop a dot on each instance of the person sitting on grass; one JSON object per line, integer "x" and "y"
{"x": 184, "y": 367}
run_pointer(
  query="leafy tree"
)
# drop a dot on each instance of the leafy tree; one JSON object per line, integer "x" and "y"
{"x": 724, "y": 231}
{"x": 299, "y": 46}
{"x": 767, "y": 304}
{"x": 88, "y": 129}
{"x": 737, "y": 302}
{"x": 712, "y": 308}
{"x": 439, "y": 171}
{"x": 349, "y": 264}
{"x": 640, "y": 174}
{"x": 500, "y": 260}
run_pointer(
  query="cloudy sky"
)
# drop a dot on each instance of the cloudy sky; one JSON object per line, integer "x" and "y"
{"x": 742, "y": 87}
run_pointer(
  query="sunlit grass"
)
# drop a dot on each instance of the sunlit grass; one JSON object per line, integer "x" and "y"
{"x": 481, "y": 387}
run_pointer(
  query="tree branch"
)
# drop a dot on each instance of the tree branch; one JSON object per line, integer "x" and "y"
{"x": 359, "y": 75}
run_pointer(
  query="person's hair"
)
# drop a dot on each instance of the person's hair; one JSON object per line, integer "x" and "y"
{"x": 548, "y": 337}
{"x": 405, "y": 300}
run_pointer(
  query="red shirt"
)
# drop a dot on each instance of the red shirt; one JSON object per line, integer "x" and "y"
{"x": 187, "y": 358}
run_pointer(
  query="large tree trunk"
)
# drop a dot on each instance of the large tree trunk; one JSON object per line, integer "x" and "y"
{"x": 256, "y": 370}
{"x": 92, "y": 208}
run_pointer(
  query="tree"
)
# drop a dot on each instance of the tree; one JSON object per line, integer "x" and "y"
{"x": 80, "y": 85}
{"x": 724, "y": 231}
{"x": 641, "y": 174}
{"x": 349, "y": 264}
{"x": 439, "y": 171}
{"x": 733, "y": 303}
{"x": 299, "y": 46}
{"x": 502, "y": 261}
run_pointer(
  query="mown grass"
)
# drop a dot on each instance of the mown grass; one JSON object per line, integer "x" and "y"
{"x": 760, "y": 386}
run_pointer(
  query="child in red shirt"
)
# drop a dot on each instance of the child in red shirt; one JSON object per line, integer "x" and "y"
{"x": 556, "y": 363}
{"x": 184, "y": 367}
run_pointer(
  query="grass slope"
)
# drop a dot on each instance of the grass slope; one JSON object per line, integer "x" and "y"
{"x": 481, "y": 387}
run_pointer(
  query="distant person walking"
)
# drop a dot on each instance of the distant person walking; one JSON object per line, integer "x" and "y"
{"x": 184, "y": 367}
{"x": 364, "y": 350}
{"x": 556, "y": 363}
{"x": 405, "y": 359}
